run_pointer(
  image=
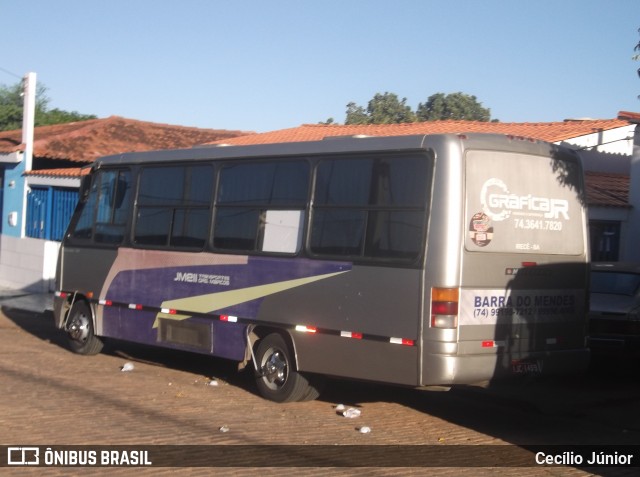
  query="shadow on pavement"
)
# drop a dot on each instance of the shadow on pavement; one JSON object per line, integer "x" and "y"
{"x": 600, "y": 407}
{"x": 41, "y": 325}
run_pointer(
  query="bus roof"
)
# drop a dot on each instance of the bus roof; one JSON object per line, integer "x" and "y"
{"x": 329, "y": 145}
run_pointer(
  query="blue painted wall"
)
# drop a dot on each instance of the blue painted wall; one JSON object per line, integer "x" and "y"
{"x": 14, "y": 183}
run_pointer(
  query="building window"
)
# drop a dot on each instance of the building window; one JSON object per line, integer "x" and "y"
{"x": 605, "y": 240}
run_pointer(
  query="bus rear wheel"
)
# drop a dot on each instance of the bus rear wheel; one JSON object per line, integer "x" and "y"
{"x": 80, "y": 335}
{"x": 277, "y": 378}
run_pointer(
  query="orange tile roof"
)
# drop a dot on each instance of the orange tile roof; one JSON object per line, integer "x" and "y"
{"x": 629, "y": 116}
{"x": 603, "y": 190}
{"x": 85, "y": 141}
{"x": 67, "y": 172}
{"x": 607, "y": 189}
{"x": 551, "y": 132}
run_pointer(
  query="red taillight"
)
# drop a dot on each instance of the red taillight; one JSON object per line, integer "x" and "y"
{"x": 444, "y": 307}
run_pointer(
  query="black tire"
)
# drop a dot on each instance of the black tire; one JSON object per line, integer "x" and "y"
{"x": 79, "y": 328}
{"x": 277, "y": 379}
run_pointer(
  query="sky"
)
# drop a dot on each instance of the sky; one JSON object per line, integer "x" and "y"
{"x": 257, "y": 65}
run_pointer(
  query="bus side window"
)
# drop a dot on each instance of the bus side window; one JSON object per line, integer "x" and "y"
{"x": 174, "y": 204}
{"x": 373, "y": 208}
{"x": 104, "y": 215}
{"x": 113, "y": 207}
{"x": 84, "y": 226}
{"x": 261, "y": 206}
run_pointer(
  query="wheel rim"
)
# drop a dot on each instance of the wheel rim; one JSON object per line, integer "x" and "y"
{"x": 78, "y": 328}
{"x": 275, "y": 368}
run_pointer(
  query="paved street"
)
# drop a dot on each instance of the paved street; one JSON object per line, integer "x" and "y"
{"x": 52, "y": 397}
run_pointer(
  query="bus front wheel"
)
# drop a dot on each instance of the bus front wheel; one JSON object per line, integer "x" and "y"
{"x": 80, "y": 335}
{"x": 277, "y": 378}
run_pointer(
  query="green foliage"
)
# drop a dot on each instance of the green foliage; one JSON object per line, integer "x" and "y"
{"x": 356, "y": 114}
{"x": 58, "y": 116}
{"x": 10, "y": 117}
{"x": 387, "y": 108}
{"x": 456, "y": 106}
{"x": 12, "y": 102}
{"x": 384, "y": 108}
{"x": 10, "y": 107}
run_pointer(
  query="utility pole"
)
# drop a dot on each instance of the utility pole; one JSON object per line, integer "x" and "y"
{"x": 28, "y": 118}
{"x": 28, "y": 126}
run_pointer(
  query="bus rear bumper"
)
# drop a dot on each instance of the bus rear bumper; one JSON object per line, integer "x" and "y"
{"x": 473, "y": 369}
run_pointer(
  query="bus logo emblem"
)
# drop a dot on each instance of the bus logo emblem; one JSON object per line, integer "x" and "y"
{"x": 498, "y": 203}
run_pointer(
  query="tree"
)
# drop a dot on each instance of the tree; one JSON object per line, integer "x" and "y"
{"x": 58, "y": 116}
{"x": 356, "y": 114}
{"x": 382, "y": 109}
{"x": 12, "y": 102}
{"x": 387, "y": 108}
{"x": 456, "y": 106}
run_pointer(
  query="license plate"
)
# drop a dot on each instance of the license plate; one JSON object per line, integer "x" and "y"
{"x": 523, "y": 366}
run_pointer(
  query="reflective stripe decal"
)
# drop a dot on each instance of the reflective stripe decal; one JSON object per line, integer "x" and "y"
{"x": 172, "y": 313}
{"x": 351, "y": 334}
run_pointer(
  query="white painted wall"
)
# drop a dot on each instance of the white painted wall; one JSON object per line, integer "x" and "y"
{"x": 613, "y": 141}
{"x": 597, "y": 161}
{"x": 28, "y": 263}
{"x": 605, "y": 151}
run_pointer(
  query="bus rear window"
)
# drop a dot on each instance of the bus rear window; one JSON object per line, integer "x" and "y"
{"x": 523, "y": 203}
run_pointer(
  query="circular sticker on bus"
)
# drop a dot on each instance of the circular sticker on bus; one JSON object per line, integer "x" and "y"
{"x": 481, "y": 229}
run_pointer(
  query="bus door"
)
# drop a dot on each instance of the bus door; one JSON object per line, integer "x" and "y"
{"x": 97, "y": 229}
